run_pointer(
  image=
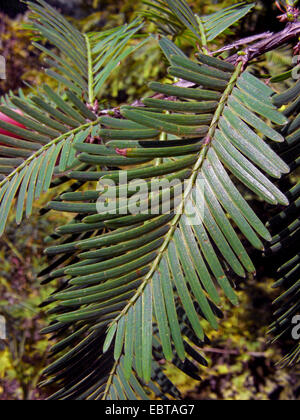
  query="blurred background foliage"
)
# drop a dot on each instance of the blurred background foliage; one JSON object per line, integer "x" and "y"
{"x": 242, "y": 364}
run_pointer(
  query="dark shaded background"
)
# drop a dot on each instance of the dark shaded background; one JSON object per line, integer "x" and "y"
{"x": 73, "y": 7}
{"x": 80, "y": 8}
{"x": 12, "y": 7}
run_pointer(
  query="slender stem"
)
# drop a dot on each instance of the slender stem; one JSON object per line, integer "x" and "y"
{"x": 163, "y": 137}
{"x": 203, "y": 34}
{"x": 223, "y": 100}
{"x": 90, "y": 70}
{"x": 269, "y": 42}
{"x": 110, "y": 379}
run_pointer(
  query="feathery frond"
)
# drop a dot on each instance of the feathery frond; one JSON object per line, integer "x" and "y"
{"x": 38, "y": 138}
{"x": 137, "y": 267}
{"x": 172, "y": 16}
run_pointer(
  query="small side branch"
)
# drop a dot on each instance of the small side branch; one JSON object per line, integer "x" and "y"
{"x": 269, "y": 42}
